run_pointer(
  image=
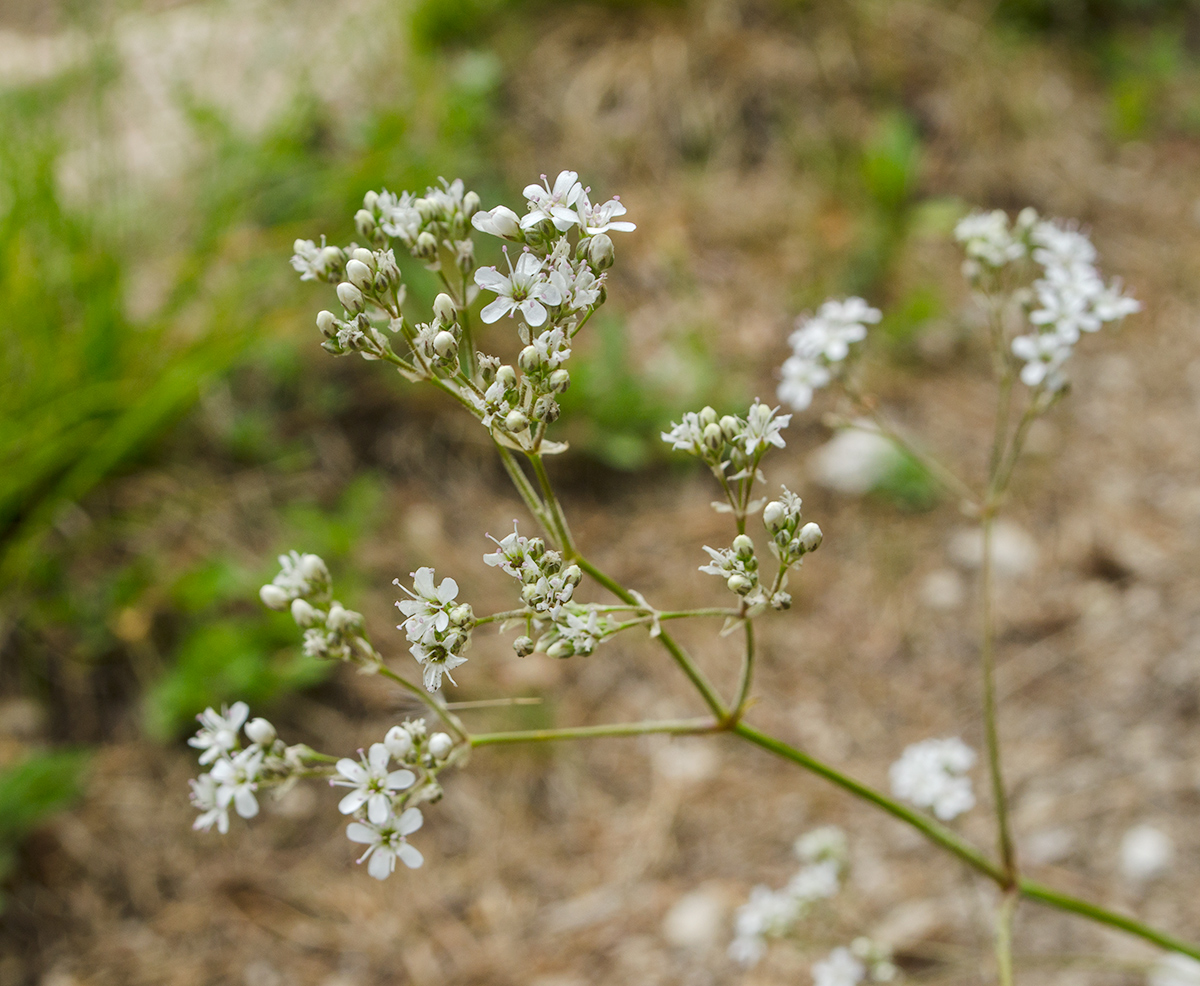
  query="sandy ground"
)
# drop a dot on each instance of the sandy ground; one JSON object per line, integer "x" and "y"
{"x": 566, "y": 866}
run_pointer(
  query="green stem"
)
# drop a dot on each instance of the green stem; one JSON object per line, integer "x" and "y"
{"x": 1004, "y": 923}
{"x": 676, "y": 726}
{"x": 558, "y": 518}
{"x": 448, "y": 717}
{"x": 988, "y": 660}
{"x": 1073, "y": 905}
{"x": 528, "y": 494}
{"x": 743, "y": 692}
{"x": 694, "y": 674}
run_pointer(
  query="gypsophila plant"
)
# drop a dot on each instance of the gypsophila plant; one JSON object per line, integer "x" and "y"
{"x": 1034, "y": 279}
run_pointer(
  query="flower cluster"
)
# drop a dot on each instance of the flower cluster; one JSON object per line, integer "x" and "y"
{"x": 383, "y": 800}
{"x": 1069, "y": 297}
{"x": 790, "y": 540}
{"x": 774, "y": 913}
{"x": 438, "y": 628}
{"x": 563, "y": 628}
{"x": 736, "y": 564}
{"x": 863, "y": 960}
{"x": 237, "y": 770}
{"x": 729, "y": 441}
{"x": 330, "y": 630}
{"x": 819, "y": 344}
{"x": 932, "y": 774}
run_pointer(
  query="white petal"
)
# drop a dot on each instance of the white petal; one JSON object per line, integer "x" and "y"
{"x": 398, "y": 780}
{"x": 534, "y": 313}
{"x": 410, "y": 821}
{"x": 352, "y": 770}
{"x": 410, "y": 855}
{"x": 378, "y": 756}
{"x": 246, "y": 803}
{"x": 497, "y": 310}
{"x": 447, "y": 590}
{"x": 379, "y": 807}
{"x": 423, "y": 583}
{"x": 352, "y": 801}
{"x": 237, "y": 715}
{"x": 383, "y": 861}
{"x": 358, "y": 832}
{"x": 491, "y": 279}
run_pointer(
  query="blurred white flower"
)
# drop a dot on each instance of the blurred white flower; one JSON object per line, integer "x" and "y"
{"x": 1175, "y": 969}
{"x": 371, "y": 783}
{"x": 218, "y": 733}
{"x": 1146, "y": 853}
{"x": 931, "y": 774}
{"x": 237, "y": 781}
{"x": 839, "y": 968}
{"x": 204, "y": 799}
{"x": 855, "y": 460}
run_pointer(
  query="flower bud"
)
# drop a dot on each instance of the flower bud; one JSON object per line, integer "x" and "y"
{"x": 529, "y": 359}
{"x": 529, "y": 592}
{"x": 364, "y": 222}
{"x": 470, "y": 204}
{"x": 559, "y": 380}
{"x": 464, "y": 255}
{"x": 416, "y": 728}
{"x": 707, "y": 416}
{"x": 340, "y": 618}
{"x": 506, "y": 376}
{"x": 731, "y": 427}
{"x": 327, "y": 323}
{"x": 462, "y": 615}
{"x": 331, "y": 261}
{"x": 487, "y": 367}
{"x": 398, "y": 742}
{"x": 713, "y": 436}
{"x": 552, "y": 563}
{"x": 775, "y": 516}
{"x": 572, "y": 575}
{"x": 445, "y": 345}
{"x": 560, "y": 648}
{"x": 739, "y": 583}
{"x": 546, "y": 409}
{"x": 523, "y": 646}
{"x": 516, "y": 421}
{"x": 363, "y": 256}
{"x": 305, "y": 614}
{"x": 535, "y": 548}
{"x": 260, "y": 731}
{"x": 426, "y": 247}
{"x": 811, "y": 537}
{"x": 743, "y": 547}
{"x": 600, "y": 251}
{"x": 370, "y": 200}
{"x": 428, "y": 209}
{"x": 443, "y": 308}
{"x": 781, "y": 600}
{"x": 273, "y": 597}
{"x": 360, "y": 275}
{"x": 351, "y": 297}
{"x": 440, "y": 745}
{"x": 312, "y": 569}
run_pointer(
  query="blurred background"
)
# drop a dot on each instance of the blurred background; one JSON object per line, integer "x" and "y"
{"x": 168, "y": 424}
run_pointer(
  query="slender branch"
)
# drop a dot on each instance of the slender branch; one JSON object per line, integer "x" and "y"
{"x": 935, "y": 467}
{"x": 1004, "y": 925}
{"x": 1074, "y": 905}
{"x": 676, "y": 726}
{"x": 553, "y": 508}
{"x": 694, "y": 674}
{"x": 495, "y": 703}
{"x": 448, "y": 717}
{"x": 988, "y": 660}
{"x": 528, "y": 494}
{"x": 743, "y": 692}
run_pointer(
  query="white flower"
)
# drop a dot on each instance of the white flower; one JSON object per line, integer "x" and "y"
{"x": 429, "y": 605}
{"x": 1067, "y": 306}
{"x": 501, "y": 221}
{"x": 840, "y": 968}
{"x": 399, "y": 742}
{"x": 600, "y": 218}
{"x": 833, "y": 329}
{"x": 1044, "y": 353}
{"x": 299, "y": 575}
{"x": 826, "y": 842}
{"x": 398, "y": 216}
{"x": 552, "y": 348}
{"x": 687, "y": 435}
{"x": 385, "y": 843}
{"x": 931, "y": 774}
{"x": 747, "y": 950}
{"x": 1059, "y": 247}
{"x": 204, "y": 798}
{"x": 585, "y": 289}
{"x": 236, "y": 781}
{"x": 1175, "y": 969}
{"x": 816, "y": 881}
{"x": 260, "y": 731}
{"x": 1146, "y": 853}
{"x": 763, "y": 428}
{"x": 767, "y": 912}
{"x": 440, "y": 745}
{"x": 1112, "y": 305}
{"x": 855, "y": 460}
{"x": 218, "y": 734}
{"x": 371, "y": 783}
{"x": 555, "y": 204}
{"x": 526, "y": 290}
{"x": 801, "y": 376}
{"x": 439, "y": 656}
{"x": 314, "y": 262}
{"x": 986, "y": 237}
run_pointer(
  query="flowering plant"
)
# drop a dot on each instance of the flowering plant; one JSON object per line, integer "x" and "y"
{"x": 1035, "y": 280}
